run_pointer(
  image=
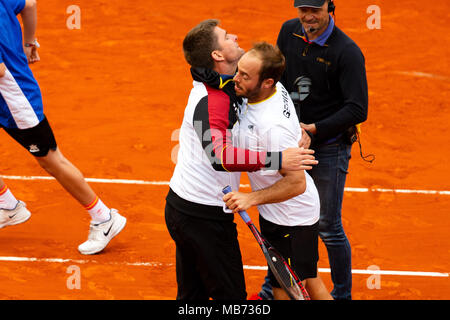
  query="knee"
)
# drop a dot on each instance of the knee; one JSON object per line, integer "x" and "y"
{"x": 51, "y": 162}
{"x": 47, "y": 165}
{"x": 330, "y": 232}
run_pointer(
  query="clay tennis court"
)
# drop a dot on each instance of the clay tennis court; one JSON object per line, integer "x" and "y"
{"x": 115, "y": 92}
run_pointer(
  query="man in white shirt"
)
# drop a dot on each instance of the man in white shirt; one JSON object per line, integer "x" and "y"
{"x": 288, "y": 201}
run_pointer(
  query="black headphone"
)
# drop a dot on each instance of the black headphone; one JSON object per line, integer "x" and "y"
{"x": 331, "y": 6}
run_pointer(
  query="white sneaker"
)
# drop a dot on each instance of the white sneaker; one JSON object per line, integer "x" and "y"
{"x": 101, "y": 234}
{"x": 10, "y": 217}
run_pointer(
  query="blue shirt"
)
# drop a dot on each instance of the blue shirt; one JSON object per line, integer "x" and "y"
{"x": 20, "y": 95}
{"x": 320, "y": 40}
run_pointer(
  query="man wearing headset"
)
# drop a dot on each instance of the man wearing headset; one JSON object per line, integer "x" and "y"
{"x": 326, "y": 77}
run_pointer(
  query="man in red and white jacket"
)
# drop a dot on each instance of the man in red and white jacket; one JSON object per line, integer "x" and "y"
{"x": 209, "y": 262}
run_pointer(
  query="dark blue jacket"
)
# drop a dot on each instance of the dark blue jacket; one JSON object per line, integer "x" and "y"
{"x": 334, "y": 92}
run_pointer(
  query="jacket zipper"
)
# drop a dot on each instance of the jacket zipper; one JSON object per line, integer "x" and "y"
{"x": 305, "y": 51}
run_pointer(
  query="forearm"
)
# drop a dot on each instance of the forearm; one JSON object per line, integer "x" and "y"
{"x": 284, "y": 189}
{"x": 350, "y": 115}
{"x": 29, "y": 20}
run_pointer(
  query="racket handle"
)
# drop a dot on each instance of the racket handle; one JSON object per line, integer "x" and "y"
{"x": 227, "y": 189}
{"x": 244, "y": 215}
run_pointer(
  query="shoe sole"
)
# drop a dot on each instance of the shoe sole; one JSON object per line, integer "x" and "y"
{"x": 117, "y": 231}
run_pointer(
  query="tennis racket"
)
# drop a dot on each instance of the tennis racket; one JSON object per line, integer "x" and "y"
{"x": 285, "y": 276}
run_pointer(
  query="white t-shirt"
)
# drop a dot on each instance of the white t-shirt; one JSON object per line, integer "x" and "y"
{"x": 273, "y": 125}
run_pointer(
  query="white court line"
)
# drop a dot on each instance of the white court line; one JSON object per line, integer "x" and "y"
{"x": 437, "y": 192}
{"x": 154, "y": 264}
{"x": 423, "y": 75}
{"x": 166, "y": 183}
{"x": 78, "y": 261}
{"x": 247, "y": 267}
{"x": 93, "y": 180}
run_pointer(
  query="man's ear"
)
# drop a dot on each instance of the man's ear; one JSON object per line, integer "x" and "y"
{"x": 268, "y": 83}
{"x": 217, "y": 56}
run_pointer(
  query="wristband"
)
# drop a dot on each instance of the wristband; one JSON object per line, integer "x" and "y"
{"x": 35, "y": 43}
{"x": 281, "y": 160}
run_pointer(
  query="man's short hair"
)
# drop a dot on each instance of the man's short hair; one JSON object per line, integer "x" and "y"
{"x": 199, "y": 43}
{"x": 273, "y": 61}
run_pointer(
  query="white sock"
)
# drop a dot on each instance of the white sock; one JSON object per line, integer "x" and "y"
{"x": 7, "y": 199}
{"x": 98, "y": 211}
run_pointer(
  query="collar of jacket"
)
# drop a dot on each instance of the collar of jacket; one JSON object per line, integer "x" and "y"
{"x": 322, "y": 39}
{"x": 211, "y": 77}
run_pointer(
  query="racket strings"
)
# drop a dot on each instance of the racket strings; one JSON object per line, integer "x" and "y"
{"x": 284, "y": 275}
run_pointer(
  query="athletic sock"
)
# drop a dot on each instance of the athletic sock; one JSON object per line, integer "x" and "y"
{"x": 98, "y": 211}
{"x": 7, "y": 199}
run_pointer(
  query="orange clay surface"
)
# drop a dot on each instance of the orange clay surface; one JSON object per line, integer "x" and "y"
{"x": 115, "y": 92}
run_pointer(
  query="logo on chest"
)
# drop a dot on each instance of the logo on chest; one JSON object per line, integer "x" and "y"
{"x": 303, "y": 85}
{"x": 286, "y": 110}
